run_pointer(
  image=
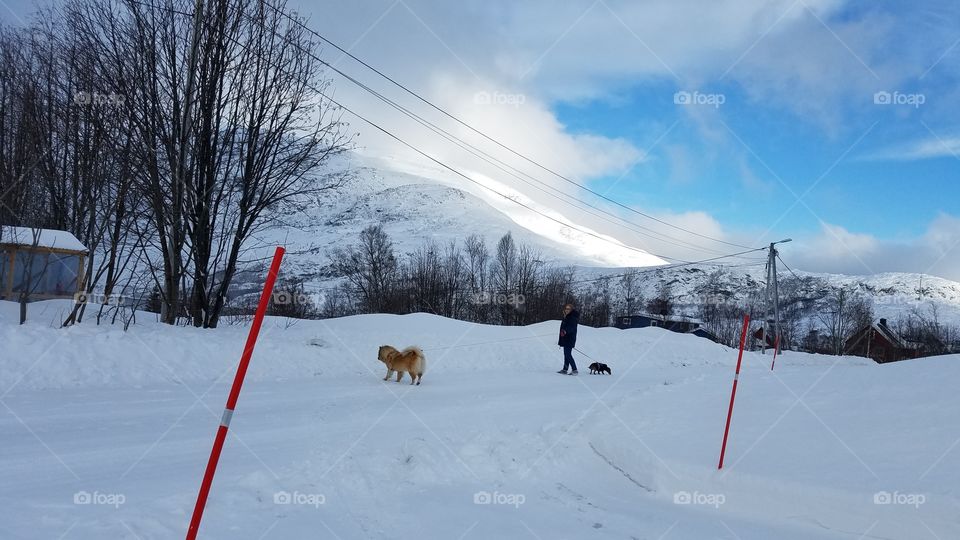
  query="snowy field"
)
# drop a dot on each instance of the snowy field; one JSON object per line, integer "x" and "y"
{"x": 105, "y": 434}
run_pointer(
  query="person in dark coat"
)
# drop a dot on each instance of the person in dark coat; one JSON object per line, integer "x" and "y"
{"x": 568, "y": 338}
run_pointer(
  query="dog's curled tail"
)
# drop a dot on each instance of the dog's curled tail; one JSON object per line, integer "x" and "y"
{"x": 421, "y": 364}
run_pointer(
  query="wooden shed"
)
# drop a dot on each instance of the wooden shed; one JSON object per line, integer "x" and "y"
{"x": 45, "y": 263}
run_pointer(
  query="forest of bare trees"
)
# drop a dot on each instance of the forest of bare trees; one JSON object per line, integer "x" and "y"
{"x": 509, "y": 284}
{"x": 162, "y": 139}
{"x": 512, "y": 284}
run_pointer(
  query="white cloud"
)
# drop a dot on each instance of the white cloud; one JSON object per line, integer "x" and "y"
{"x": 543, "y": 52}
{"x": 836, "y": 249}
{"x": 526, "y": 57}
{"x": 929, "y": 148}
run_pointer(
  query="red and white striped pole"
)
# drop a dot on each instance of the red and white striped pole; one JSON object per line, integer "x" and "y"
{"x": 733, "y": 393}
{"x": 776, "y": 349}
{"x": 234, "y": 394}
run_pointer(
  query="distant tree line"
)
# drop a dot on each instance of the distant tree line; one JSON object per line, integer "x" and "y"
{"x": 509, "y": 283}
{"x": 163, "y": 139}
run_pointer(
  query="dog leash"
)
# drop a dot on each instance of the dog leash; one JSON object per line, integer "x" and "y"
{"x": 585, "y": 354}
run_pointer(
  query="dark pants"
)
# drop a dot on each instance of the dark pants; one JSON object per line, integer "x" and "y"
{"x": 568, "y": 359}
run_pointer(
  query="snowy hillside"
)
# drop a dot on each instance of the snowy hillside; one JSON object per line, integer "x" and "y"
{"x": 894, "y": 295}
{"x": 106, "y": 434}
{"x": 416, "y": 203}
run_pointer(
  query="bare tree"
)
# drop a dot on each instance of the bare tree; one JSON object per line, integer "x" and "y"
{"x": 503, "y": 274}
{"x": 371, "y": 268}
{"x": 847, "y": 312}
{"x": 663, "y": 303}
{"x": 529, "y": 267}
{"x": 630, "y": 291}
{"x": 478, "y": 263}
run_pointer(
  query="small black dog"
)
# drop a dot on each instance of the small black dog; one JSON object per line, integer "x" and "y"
{"x": 599, "y": 368}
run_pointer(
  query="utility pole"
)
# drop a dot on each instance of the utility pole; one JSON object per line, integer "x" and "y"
{"x": 772, "y": 297}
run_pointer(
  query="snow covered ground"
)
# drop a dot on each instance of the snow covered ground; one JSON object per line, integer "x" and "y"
{"x": 105, "y": 434}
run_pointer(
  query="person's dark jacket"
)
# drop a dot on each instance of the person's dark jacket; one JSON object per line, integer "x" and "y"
{"x": 568, "y": 329}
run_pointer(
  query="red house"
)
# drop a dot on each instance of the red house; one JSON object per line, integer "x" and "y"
{"x": 881, "y": 344}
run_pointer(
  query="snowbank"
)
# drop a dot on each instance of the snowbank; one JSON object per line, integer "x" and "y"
{"x": 492, "y": 445}
{"x": 87, "y": 355}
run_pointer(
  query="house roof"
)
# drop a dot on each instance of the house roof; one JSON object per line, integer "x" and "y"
{"x": 885, "y": 331}
{"x": 668, "y": 318}
{"x": 889, "y": 334}
{"x": 46, "y": 238}
{"x": 700, "y": 330}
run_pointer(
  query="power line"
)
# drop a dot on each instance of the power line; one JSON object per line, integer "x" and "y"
{"x": 503, "y": 166}
{"x": 299, "y": 23}
{"x": 788, "y": 268}
{"x": 488, "y": 188}
{"x": 442, "y": 164}
{"x": 499, "y": 164}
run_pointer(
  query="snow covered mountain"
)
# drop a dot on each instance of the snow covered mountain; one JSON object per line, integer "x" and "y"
{"x": 417, "y": 203}
{"x": 894, "y": 295}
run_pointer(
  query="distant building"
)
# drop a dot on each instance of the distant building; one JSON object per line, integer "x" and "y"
{"x": 45, "y": 263}
{"x": 681, "y": 325}
{"x": 881, "y": 344}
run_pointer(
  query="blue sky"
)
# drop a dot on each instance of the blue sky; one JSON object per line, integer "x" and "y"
{"x": 588, "y": 88}
{"x": 596, "y": 83}
{"x": 891, "y": 198}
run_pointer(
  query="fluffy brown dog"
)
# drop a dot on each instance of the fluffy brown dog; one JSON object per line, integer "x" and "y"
{"x": 410, "y": 360}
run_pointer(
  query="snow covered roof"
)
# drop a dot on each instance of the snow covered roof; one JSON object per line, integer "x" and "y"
{"x": 48, "y": 238}
{"x": 668, "y": 318}
{"x": 889, "y": 334}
